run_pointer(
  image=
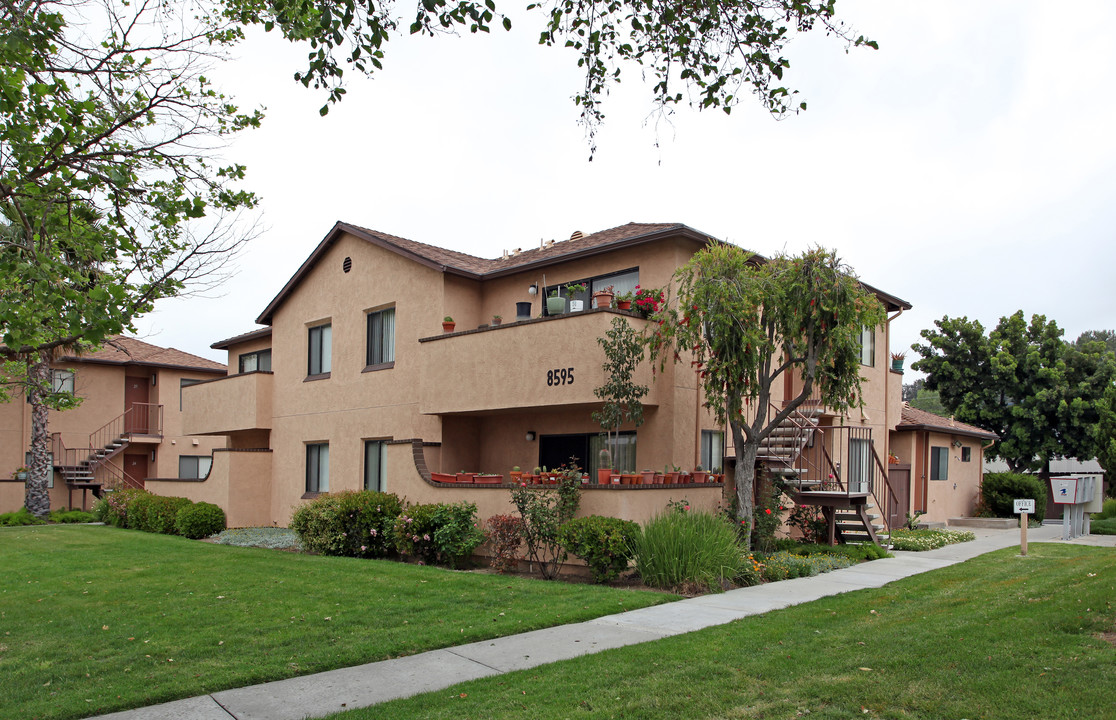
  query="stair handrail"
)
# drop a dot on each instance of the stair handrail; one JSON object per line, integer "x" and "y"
{"x": 884, "y": 511}
{"x": 62, "y": 455}
{"x": 120, "y": 478}
{"x": 116, "y": 428}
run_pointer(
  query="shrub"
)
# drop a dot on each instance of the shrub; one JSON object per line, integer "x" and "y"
{"x": 120, "y": 504}
{"x": 22, "y": 516}
{"x": 159, "y": 513}
{"x": 543, "y": 510}
{"x": 438, "y": 533}
{"x": 859, "y": 553}
{"x": 505, "y": 534}
{"x": 1108, "y": 510}
{"x": 933, "y": 539}
{"x": 784, "y": 565}
{"x": 604, "y": 543}
{"x": 1105, "y": 526}
{"x": 199, "y": 520}
{"x": 998, "y": 491}
{"x": 70, "y": 516}
{"x": 100, "y": 510}
{"x": 766, "y": 521}
{"x": 349, "y": 523}
{"x": 687, "y": 550}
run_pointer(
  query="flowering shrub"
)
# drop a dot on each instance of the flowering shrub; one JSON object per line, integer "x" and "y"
{"x": 604, "y": 543}
{"x": 439, "y": 533}
{"x": 543, "y": 510}
{"x": 647, "y": 302}
{"x": 751, "y": 571}
{"x": 119, "y": 503}
{"x": 810, "y": 522}
{"x": 351, "y": 524}
{"x": 505, "y": 534}
{"x": 932, "y": 539}
{"x": 767, "y": 520}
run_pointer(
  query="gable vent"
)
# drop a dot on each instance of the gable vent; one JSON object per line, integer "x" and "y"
{"x": 577, "y": 235}
{"x": 347, "y": 265}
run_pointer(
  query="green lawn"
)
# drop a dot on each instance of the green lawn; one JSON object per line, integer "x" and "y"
{"x": 1000, "y": 636}
{"x": 97, "y": 619}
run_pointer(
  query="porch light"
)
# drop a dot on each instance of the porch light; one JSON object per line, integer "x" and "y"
{"x": 533, "y": 290}
{"x": 530, "y": 436}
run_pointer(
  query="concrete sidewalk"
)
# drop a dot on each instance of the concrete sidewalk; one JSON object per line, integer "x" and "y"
{"x": 364, "y": 685}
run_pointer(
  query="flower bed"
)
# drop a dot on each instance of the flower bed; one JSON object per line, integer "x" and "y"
{"x": 932, "y": 539}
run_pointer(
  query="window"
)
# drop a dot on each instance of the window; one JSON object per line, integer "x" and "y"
{"x": 966, "y": 454}
{"x": 868, "y": 347}
{"x": 860, "y": 465}
{"x": 375, "y": 464}
{"x": 184, "y": 383}
{"x": 939, "y": 463}
{"x": 320, "y": 355}
{"x": 317, "y": 467}
{"x": 621, "y": 282}
{"x": 194, "y": 466}
{"x": 62, "y": 381}
{"x": 622, "y": 447}
{"x": 381, "y": 337}
{"x": 713, "y": 450}
{"x": 254, "y": 361}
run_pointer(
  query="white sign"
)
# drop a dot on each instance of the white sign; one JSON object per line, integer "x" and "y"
{"x": 1024, "y": 506}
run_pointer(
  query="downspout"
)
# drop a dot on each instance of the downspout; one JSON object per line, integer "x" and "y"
{"x": 887, "y": 387}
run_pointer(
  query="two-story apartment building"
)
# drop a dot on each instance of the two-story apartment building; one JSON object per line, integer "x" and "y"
{"x": 126, "y": 431}
{"x": 352, "y": 383}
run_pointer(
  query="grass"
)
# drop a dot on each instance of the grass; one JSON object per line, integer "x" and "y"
{"x": 1000, "y": 636}
{"x": 96, "y": 619}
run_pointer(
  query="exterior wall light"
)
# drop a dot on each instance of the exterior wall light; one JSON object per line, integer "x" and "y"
{"x": 530, "y": 436}
{"x": 533, "y": 290}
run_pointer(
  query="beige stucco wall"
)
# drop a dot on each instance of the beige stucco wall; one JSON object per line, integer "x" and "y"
{"x": 242, "y": 348}
{"x": 229, "y": 404}
{"x": 238, "y": 482}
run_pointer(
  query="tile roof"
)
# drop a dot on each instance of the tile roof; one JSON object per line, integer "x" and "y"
{"x": 250, "y": 335}
{"x": 122, "y": 350}
{"x": 915, "y": 419}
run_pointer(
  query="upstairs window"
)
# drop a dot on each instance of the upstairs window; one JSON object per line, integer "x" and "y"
{"x": 868, "y": 347}
{"x": 713, "y": 450}
{"x": 624, "y": 281}
{"x": 966, "y": 454}
{"x": 317, "y": 467}
{"x": 381, "y": 337}
{"x": 62, "y": 381}
{"x": 256, "y": 361}
{"x": 320, "y": 352}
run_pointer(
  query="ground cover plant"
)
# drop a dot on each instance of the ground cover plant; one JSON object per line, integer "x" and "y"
{"x": 24, "y": 517}
{"x": 997, "y": 637}
{"x": 930, "y": 539}
{"x": 96, "y": 619}
{"x": 274, "y": 538}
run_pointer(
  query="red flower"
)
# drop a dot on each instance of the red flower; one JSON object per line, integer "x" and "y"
{"x": 768, "y": 511}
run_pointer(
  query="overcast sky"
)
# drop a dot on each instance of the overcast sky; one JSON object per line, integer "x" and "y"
{"x": 968, "y": 166}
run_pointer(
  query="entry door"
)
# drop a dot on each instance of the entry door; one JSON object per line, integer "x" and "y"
{"x": 135, "y": 468}
{"x": 555, "y": 450}
{"x": 900, "y": 479}
{"x": 136, "y": 391}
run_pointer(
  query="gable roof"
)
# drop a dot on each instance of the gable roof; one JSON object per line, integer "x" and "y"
{"x": 915, "y": 419}
{"x": 457, "y": 263}
{"x": 243, "y": 337}
{"x": 123, "y": 350}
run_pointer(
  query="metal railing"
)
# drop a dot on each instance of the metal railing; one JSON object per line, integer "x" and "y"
{"x": 140, "y": 419}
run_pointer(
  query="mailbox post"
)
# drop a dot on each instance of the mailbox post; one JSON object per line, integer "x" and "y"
{"x": 1075, "y": 493}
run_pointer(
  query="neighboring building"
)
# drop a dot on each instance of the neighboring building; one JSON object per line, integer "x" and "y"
{"x": 352, "y": 383}
{"x": 940, "y": 464}
{"x": 126, "y": 431}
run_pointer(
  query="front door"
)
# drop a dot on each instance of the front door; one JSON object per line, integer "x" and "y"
{"x": 135, "y": 469}
{"x": 555, "y": 450}
{"x": 900, "y": 481}
{"x": 136, "y": 395}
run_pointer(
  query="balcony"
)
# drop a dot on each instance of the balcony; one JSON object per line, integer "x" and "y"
{"x": 542, "y": 363}
{"x": 227, "y": 405}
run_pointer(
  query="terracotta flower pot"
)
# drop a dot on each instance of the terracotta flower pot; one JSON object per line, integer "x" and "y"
{"x": 464, "y": 477}
{"x": 624, "y": 304}
{"x": 648, "y": 477}
{"x": 604, "y": 476}
{"x": 603, "y": 299}
{"x": 700, "y": 476}
{"x": 447, "y": 327}
{"x": 488, "y": 479}
{"x": 443, "y": 477}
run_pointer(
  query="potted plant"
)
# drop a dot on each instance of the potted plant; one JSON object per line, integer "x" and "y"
{"x": 488, "y": 479}
{"x": 897, "y": 361}
{"x": 447, "y": 324}
{"x": 555, "y": 304}
{"x": 20, "y": 474}
{"x": 647, "y": 302}
{"x": 572, "y": 291}
{"x": 497, "y": 319}
{"x": 604, "y": 470}
{"x": 603, "y": 298}
{"x": 516, "y": 474}
{"x": 464, "y": 477}
{"x": 699, "y": 474}
{"x": 443, "y": 477}
{"x": 624, "y": 301}
{"x": 648, "y": 476}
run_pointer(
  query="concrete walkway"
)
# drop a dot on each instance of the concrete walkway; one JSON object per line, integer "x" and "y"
{"x": 364, "y": 685}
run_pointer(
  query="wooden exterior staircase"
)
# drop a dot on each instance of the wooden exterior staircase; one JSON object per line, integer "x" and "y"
{"x": 90, "y": 469}
{"x": 833, "y": 467}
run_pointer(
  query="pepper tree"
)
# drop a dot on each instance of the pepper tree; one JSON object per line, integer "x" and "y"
{"x": 742, "y": 322}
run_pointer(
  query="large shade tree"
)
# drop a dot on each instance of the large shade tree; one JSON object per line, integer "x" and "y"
{"x": 111, "y": 196}
{"x": 1022, "y": 381}
{"x": 744, "y": 323}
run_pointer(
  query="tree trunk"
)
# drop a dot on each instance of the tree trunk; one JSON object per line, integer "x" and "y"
{"x": 745, "y": 476}
{"x": 37, "y": 498}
